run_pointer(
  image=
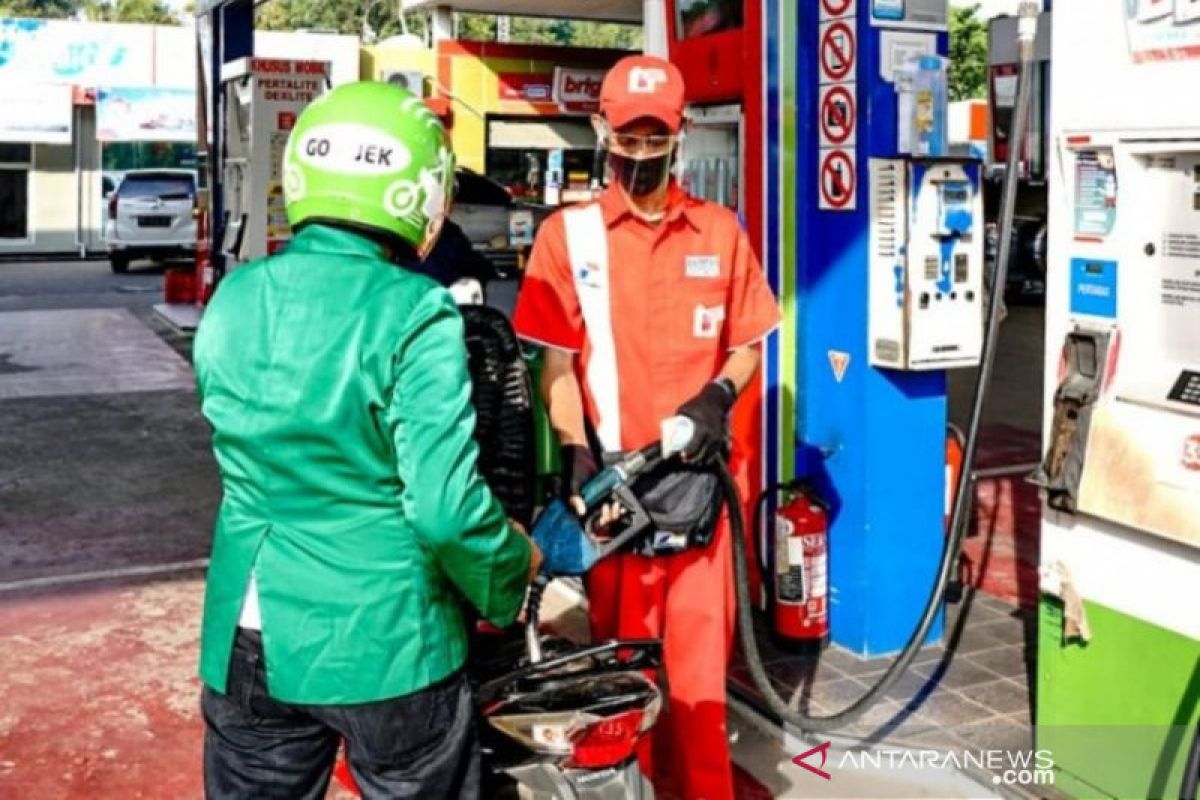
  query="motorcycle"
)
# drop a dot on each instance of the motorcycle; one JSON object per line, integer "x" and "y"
{"x": 557, "y": 720}
{"x": 560, "y": 720}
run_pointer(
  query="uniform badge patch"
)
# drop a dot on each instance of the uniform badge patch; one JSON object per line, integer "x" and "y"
{"x": 706, "y": 321}
{"x": 702, "y": 266}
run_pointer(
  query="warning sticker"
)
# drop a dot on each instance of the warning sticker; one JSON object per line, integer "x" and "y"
{"x": 838, "y": 50}
{"x": 839, "y": 361}
{"x": 838, "y": 181}
{"x": 839, "y": 115}
{"x": 833, "y": 9}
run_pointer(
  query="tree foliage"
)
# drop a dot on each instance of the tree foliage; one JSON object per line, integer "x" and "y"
{"x": 148, "y": 11}
{"x": 538, "y": 30}
{"x": 968, "y": 54}
{"x": 154, "y": 12}
{"x": 44, "y": 9}
{"x": 347, "y": 17}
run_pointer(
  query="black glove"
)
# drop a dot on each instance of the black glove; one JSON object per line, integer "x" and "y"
{"x": 709, "y": 410}
{"x": 578, "y": 467}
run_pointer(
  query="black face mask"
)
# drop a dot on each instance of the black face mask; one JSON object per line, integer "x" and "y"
{"x": 640, "y": 176}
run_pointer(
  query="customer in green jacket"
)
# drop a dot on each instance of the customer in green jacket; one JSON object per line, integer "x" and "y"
{"x": 354, "y": 521}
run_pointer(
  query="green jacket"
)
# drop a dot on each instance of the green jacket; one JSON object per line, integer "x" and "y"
{"x": 336, "y": 385}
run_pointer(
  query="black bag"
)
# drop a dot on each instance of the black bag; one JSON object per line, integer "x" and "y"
{"x": 684, "y": 505}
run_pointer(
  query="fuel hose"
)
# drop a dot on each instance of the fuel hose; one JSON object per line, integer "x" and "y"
{"x": 1027, "y": 31}
{"x": 1191, "y": 770}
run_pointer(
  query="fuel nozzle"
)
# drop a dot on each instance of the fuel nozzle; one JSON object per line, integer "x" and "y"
{"x": 677, "y": 434}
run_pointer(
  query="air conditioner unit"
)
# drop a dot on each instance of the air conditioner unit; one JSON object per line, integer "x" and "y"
{"x": 411, "y": 79}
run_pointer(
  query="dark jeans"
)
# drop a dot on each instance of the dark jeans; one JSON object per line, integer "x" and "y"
{"x": 422, "y": 745}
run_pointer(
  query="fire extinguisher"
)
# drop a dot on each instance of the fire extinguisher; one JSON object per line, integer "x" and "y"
{"x": 795, "y": 564}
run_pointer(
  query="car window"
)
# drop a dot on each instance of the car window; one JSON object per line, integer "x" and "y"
{"x": 478, "y": 190}
{"x": 165, "y": 187}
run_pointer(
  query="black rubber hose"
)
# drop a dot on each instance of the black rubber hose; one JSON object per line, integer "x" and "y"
{"x": 776, "y": 704}
{"x": 1191, "y": 770}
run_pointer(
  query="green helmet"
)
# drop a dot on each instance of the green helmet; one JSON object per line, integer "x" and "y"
{"x": 371, "y": 155}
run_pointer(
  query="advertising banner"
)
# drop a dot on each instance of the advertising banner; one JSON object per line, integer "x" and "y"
{"x": 145, "y": 114}
{"x": 577, "y": 91}
{"x": 1163, "y": 30}
{"x": 38, "y": 113}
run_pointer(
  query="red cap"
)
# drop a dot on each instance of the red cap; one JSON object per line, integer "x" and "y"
{"x": 642, "y": 86}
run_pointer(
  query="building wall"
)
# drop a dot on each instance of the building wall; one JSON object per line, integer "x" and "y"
{"x": 52, "y": 204}
{"x": 87, "y": 53}
{"x": 66, "y": 207}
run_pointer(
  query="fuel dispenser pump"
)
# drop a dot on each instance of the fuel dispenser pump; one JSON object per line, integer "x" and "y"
{"x": 1125, "y": 437}
{"x": 261, "y": 99}
{"x": 926, "y": 312}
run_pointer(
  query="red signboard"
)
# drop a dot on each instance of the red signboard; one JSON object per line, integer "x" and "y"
{"x": 578, "y": 90}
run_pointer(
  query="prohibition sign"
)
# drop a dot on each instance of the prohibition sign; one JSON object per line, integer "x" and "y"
{"x": 837, "y": 51}
{"x": 838, "y": 115}
{"x": 836, "y": 8}
{"x": 837, "y": 180}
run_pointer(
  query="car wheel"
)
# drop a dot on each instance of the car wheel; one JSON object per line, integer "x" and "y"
{"x": 119, "y": 264}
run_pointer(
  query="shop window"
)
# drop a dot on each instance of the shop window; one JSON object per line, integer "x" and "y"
{"x": 16, "y": 159}
{"x": 523, "y": 172}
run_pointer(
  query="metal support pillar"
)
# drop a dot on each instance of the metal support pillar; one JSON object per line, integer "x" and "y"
{"x": 232, "y": 38}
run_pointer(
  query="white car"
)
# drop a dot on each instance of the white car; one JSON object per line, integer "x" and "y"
{"x": 151, "y": 215}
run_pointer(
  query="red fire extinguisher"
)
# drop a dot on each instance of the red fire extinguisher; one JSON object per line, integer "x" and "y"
{"x": 799, "y": 571}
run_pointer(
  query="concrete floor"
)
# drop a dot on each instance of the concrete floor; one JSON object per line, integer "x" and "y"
{"x": 107, "y": 496}
{"x": 106, "y": 503}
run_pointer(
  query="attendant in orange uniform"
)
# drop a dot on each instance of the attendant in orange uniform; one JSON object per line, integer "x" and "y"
{"x": 649, "y": 303}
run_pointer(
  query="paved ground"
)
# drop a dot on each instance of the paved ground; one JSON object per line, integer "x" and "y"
{"x": 106, "y": 502}
{"x": 107, "y": 494}
{"x": 1001, "y": 555}
{"x": 77, "y": 284}
{"x": 973, "y": 690}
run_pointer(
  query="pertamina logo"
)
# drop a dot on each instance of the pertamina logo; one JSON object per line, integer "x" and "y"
{"x": 646, "y": 80}
{"x": 1191, "y": 453}
{"x": 823, "y": 751}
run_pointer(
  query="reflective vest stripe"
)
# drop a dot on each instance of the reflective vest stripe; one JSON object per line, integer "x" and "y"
{"x": 587, "y": 247}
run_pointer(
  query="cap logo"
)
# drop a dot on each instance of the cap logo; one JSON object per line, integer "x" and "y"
{"x": 646, "y": 80}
